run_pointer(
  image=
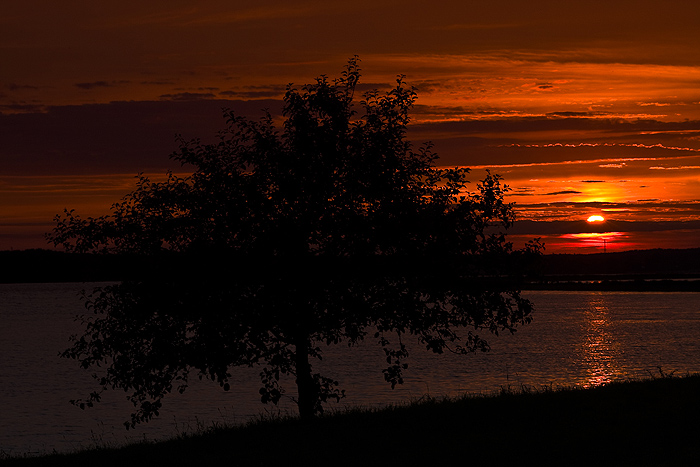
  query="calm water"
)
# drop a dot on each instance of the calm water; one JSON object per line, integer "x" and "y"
{"x": 585, "y": 338}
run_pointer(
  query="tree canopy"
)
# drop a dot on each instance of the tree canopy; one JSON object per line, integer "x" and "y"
{"x": 329, "y": 229}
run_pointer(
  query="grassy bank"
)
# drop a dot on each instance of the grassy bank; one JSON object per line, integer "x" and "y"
{"x": 654, "y": 422}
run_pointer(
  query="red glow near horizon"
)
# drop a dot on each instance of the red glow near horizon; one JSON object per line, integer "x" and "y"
{"x": 606, "y": 241}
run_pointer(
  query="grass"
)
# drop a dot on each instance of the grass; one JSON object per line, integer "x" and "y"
{"x": 651, "y": 422}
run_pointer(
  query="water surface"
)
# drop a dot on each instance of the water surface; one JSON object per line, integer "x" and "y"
{"x": 585, "y": 338}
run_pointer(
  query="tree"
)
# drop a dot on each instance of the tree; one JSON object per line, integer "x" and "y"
{"x": 329, "y": 230}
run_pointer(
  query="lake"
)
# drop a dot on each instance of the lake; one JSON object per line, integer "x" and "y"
{"x": 582, "y": 338}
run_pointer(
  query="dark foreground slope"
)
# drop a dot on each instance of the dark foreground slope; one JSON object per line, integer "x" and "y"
{"x": 655, "y": 422}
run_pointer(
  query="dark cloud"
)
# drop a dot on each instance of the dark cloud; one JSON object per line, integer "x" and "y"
{"x": 17, "y": 87}
{"x": 572, "y": 114}
{"x": 564, "y": 192}
{"x": 427, "y": 86}
{"x": 475, "y": 140}
{"x": 522, "y": 191}
{"x": 638, "y": 211}
{"x": 277, "y": 91}
{"x": 188, "y": 96}
{"x": 120, "y": 137}
{"x": 364, "y": 87}
{"x": 544, "y": 124}
{"x": 521, "y": 194}
{"x": 529, "y": 227}
{"x": 256, "y": 92}
{"x": 93, "y": 85}
{"x": 250, "y": 94}
{"x": 593, "y": 181}
{"x": 22, "y": 108}
{"x": 158, "y": 83}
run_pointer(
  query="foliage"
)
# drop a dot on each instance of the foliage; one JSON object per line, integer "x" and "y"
{"x": 329, "y": 230}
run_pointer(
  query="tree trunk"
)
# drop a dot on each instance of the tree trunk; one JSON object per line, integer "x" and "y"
{"x": 307, "y": 390}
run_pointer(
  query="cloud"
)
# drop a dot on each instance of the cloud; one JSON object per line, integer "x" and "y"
{"x": 22, "y": 108}
{"x": 581, "y": 226}
{"x": 256, "y": 92}
{"x": 119, "y": 137}
{"x": 164, "y": 82}
{"x": 573, "y": 114}
{"x": 545, "y": 87}
{"x": 473, "y": 26}
{"x": 188, "y": 96}
{"x": 468, "y": 138}
{"x": 364, "y": 87}
{"x": 679, "y": 167}
{"x": 17, "y": 87}
{"x": 643, "y": 210}
{"x": 93, "y": 85}
{"x": 204, "y": 15}
{"x": 563, "y": 122}
{"x": 564, "y": 192}
{"x": 250, "y": 94}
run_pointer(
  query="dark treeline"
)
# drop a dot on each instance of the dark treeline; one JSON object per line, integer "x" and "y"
{"x": 614, "y": 271}
{"x": 656, "y": 262}
{"x": 663, "y": 270}
{"x": 40, "y": 265}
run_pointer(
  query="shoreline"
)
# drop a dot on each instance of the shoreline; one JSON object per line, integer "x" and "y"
{"x": 640, "y": 270}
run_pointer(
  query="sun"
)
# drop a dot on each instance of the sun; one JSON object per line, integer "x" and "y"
{"x": 595, "y": 218}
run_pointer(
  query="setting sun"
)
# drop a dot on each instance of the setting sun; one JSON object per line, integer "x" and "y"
{"x": 595, "y": 219}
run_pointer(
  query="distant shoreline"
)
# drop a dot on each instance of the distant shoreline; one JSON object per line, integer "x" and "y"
{"x": 659, "y": 284}
{"x": 639, "y": 270}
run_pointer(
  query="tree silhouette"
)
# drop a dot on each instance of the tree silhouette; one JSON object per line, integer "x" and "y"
{"x": 329, "y": 230}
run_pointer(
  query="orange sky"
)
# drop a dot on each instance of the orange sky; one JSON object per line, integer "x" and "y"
{"x": 586, "y": 108}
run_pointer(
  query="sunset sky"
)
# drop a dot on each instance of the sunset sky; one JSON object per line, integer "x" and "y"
{"x": 586, "y": 108}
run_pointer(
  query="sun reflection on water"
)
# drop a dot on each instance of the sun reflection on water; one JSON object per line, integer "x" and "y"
{"x": 600, "y": 349}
